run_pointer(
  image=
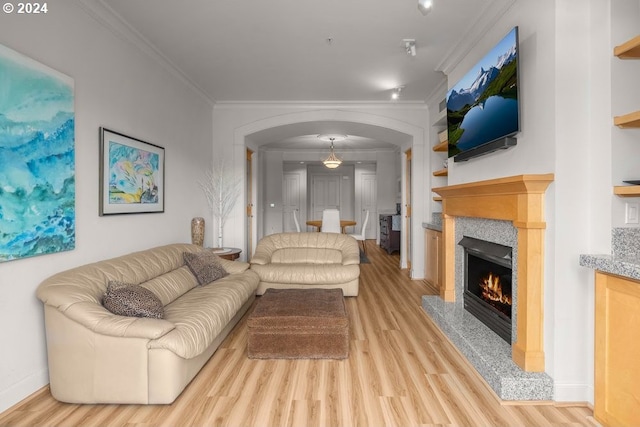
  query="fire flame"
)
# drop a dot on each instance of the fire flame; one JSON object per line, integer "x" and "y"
{"x": 492, "y": 290}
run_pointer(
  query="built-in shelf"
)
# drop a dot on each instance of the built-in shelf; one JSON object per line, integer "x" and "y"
{"x": 442, "y": 147}
{"x": 631, "y": 120}
{"x": 629, "y": 49}
{"x": 627, "y": 190}
{"x": 441, "y": 119}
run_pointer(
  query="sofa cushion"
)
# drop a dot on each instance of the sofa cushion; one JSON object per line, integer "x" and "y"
{"x": 126, "y": 299}
{"x": 308, "y": 274}
{"x": 302, "y": 255}
{"x": 202, "y": 313}
{"x": 169, "y": 286}
{"x": 205, "y": 266}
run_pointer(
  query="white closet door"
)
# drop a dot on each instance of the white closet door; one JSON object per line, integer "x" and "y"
{"x": 291, "y": 199}
{"x": 368, "y": 201}
{"x": 325, "y": 194}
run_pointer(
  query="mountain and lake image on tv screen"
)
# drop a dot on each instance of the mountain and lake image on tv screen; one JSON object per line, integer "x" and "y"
{"x": 483, "y": 106}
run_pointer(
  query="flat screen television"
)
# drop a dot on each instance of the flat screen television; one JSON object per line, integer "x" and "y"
{"x": 482, "y": 108}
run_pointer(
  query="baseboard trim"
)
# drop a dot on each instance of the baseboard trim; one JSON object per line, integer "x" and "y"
{"x": 21, "y": 390}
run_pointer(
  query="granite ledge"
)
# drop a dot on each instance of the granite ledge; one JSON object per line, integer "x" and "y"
{"x": 489, "y": 354}
{"x": 435, "y": 223}
{"x": 432, "y": 226}
{"x": 626, "y": 267}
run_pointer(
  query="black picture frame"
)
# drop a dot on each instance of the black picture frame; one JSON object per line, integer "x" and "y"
{"x": 131, "y": 175}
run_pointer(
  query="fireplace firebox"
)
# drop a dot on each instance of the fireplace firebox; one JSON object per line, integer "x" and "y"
{"x": 487, "y": 284}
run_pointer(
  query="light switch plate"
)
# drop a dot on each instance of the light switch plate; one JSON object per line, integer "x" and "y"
{"x": 631, "y": 214}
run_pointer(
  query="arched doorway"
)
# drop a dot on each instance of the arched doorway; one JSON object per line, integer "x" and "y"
{"x": 405, "y": 136}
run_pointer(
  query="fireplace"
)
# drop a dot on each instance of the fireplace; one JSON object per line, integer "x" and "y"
{"x": 487, "y": 284}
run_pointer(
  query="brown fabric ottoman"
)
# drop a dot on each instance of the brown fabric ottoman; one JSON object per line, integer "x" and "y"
{"x": 299, "y": 324}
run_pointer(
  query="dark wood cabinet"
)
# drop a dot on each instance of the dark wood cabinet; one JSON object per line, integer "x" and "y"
{"x": 389, "y": 238}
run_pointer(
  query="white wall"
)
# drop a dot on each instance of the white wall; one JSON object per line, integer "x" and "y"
{"x": 270, "y": 188}
{"x": 119, "y": 87}
{"x": 388, "y": 170}
{"x": 565, "y": 98}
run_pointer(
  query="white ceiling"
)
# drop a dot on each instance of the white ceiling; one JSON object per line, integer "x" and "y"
{"x": 279, "y": 50}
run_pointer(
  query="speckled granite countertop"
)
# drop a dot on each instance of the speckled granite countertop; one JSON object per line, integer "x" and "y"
{"x": 625, "y": 260}
{"x": 436, "y": 222}
{"x": 629, "y": 267}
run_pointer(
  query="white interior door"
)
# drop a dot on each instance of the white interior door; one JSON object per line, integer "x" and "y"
{"x": 291, "y": 200}
{"x": 368, "y": 202}
{"x": 325, "y": 191}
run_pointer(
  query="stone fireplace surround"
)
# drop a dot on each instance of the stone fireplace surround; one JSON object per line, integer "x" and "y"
{"x": 485, "y": 350}
{"x": 508, "y": 211}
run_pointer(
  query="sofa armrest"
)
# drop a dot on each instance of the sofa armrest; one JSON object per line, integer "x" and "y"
{"x": 264, "y": 251}
{"x": 100, "y": 320}
{"x": 350, "y": 258}
{"x": 261, "y": 259}
{"x": 350, "y": 252}
{"x": 233, "y": 267}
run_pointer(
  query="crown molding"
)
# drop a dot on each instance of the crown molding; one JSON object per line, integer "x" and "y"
{"x": 420, "y": 105}
{"x": 438, "y": 93}
{"x": 100, "y": 11}
{"x": 323, "y": 151}
{"x": 491, "y": 13}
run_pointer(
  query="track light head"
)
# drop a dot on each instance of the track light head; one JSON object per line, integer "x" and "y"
{"x": 410, "y": 46}
{"x": 396, "y": 93}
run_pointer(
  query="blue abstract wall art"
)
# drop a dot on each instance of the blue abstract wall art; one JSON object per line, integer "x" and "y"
{"x": 37, "y": 158}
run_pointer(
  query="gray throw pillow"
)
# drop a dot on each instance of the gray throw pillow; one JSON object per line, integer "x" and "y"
{"x": 125, "y": 299}
{"x": 205, "y": 266}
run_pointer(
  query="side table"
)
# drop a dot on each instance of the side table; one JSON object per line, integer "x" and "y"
{"x": 227, "y": 253}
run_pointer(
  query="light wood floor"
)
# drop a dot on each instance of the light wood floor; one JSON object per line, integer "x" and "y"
{"x": 401, "y": 372}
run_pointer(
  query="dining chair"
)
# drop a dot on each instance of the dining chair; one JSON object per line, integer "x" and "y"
{"x": 295, "y": 219}
{"x": 363, "y": 231}
{"x": 331, "y": 221}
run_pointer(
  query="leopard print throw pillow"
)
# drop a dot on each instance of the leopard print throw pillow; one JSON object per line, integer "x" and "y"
{"x": 205, "y": 266}
{"x": 126, "y": 299}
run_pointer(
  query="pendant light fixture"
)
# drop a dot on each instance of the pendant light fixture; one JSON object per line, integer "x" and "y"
{"x": 332, "y": 161}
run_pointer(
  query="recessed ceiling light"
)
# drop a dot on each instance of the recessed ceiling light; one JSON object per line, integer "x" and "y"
{"x": 424, "y": 6}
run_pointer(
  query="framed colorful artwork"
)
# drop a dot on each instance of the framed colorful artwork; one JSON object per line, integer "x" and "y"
{"x": 37, "y": 158}
{"x": 131, "y": 175}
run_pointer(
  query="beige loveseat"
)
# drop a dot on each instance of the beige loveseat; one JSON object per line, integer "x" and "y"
{"x": 303, "y": 260}
{"x": 99, "y": 357}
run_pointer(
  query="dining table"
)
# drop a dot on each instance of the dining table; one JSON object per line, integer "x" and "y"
{"x": 344, "y": 223}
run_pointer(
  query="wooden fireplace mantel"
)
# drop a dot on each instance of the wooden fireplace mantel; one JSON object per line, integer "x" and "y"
{"x": 519, "y": 199}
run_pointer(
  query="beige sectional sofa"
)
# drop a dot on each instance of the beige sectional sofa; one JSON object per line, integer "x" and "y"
{"x": 304, "y": 260}
{"x": 99, "y": 357}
